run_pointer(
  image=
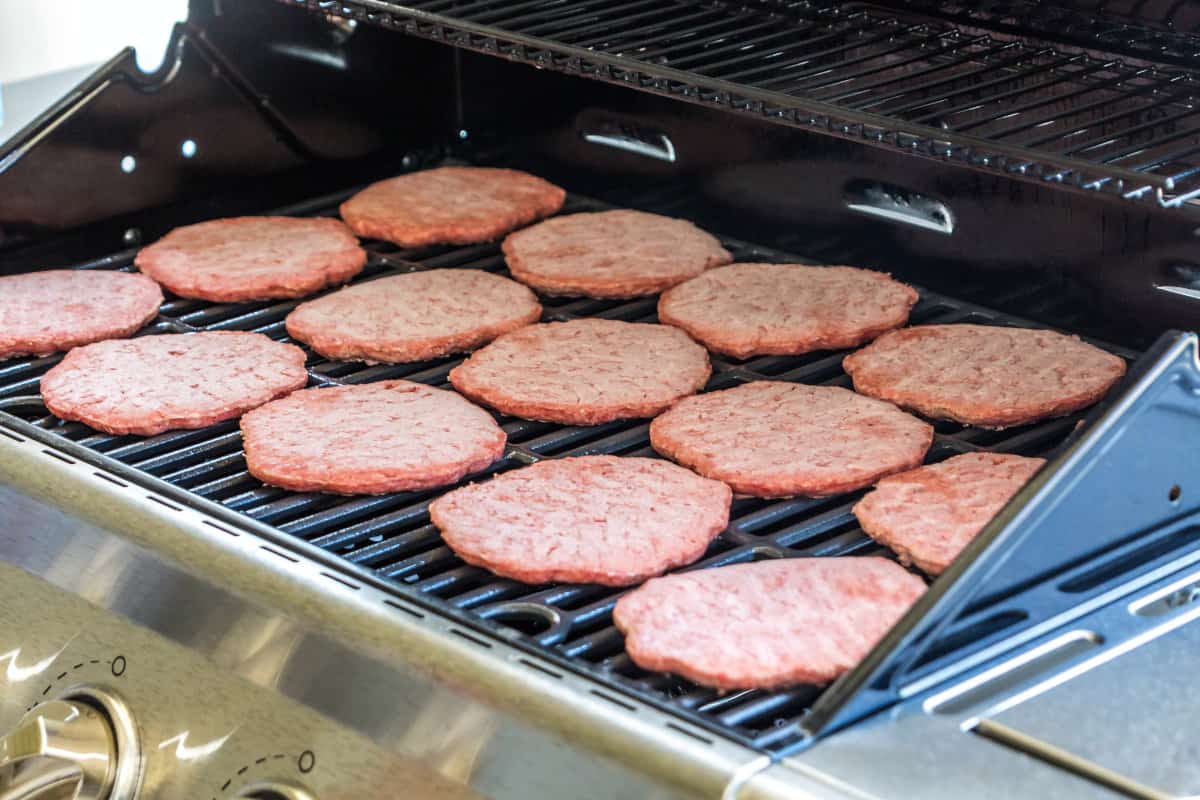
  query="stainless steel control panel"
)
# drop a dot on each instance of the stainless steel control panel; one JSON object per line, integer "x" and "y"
{"x": 244, "y": 669}
{"x": 94, "y": 705}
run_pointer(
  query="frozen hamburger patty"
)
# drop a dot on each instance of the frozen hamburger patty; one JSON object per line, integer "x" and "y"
{"x": 777, "y": 439}
{"x": 984, "y": 375}
{"x": 413, "y": 317}
{"x": 584, "y": 372}
{"x": 373, "y": 438}
{"x": 160, "y": 383}
{"x": 44, "y": 312}
{"x": 611, "y": 254}
{"x": 746, "y": 310}
{"x": 767, "y": 624}
{"x": 929, "y": 514}
{"x": 450, "y": 205}
{"x": 594, "y": 519}
{"x": 253, "y": 258}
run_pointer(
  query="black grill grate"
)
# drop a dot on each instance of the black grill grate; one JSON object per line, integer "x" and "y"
{"x": 391, "y": 536}
{"x": 996, "y": 102}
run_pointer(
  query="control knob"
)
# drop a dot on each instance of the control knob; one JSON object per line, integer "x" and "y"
{"x": 69, "y": 748}
{"x": 273, "y": 791}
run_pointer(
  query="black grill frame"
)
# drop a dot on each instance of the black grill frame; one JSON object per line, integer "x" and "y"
{"x": 394, "y": 545}
{"x": 736, "y": 57}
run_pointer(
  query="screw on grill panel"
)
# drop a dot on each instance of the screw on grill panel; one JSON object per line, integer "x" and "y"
{"x": 393, "y": 537}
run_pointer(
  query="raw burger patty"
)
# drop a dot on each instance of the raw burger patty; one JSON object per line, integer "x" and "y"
{"x": 584, "y": 372}
{"x": 611, "y": 254}
{"x": 984, "y": 375}
{"x": 748, "y": 310}
{"x": 414, "y": 317}
{"x": 929, "y": 514}
{"x": 253, "y": 258}
{"x": 596, "y": 519}
{"x": 775, "y": 439}
{"x": 44, "y": 312}
{"x": 450, "y": 205}
{"x": 174, "y": 381}
{"x": 767, "y": 624}
{"x": 374, "y": 438}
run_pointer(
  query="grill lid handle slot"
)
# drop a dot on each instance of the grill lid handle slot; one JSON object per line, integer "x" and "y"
{"x": 1182, "y": 280}
{"x": 646, "y": 142}
{"x": 895, "y": 204}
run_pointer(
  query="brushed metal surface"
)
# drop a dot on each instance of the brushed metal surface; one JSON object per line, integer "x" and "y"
{"x": 235, "y": 650}
{"x": 912, "y": 754}
{"x": 205, "y": 732}
{"x": 1153, "y": 746}
{"x": 1112, "y": 713}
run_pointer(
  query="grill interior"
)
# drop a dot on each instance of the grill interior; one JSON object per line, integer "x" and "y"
{"x": 942, "y": 86}
{"x": 392, "y": 538}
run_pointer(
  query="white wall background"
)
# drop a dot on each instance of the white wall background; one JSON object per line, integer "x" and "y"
{"x": 52, "y": 35}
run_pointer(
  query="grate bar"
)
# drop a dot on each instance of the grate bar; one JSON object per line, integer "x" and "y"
{"x": 964, "y": 76}
{"x": 466, "y": 9}
{"x": 1054, "y": 79}
{"x": 1154, "y": 144}
{"x": 1044, "y": 120}
{"x": 629, "y": 21}
{"x": 934, "y": 69}
{"x": 1101, "y": 122}
{"x": 790, "y": 82}
{"x": 663, "y": 52}
{"x": 742, "y": 45}
{"x": 1161, "y": 162}
{"x": 648, "y": 34}
{"x": 573, "y": 27}
{"x": 498, "y": 17}
{"x": 957, "y": 78}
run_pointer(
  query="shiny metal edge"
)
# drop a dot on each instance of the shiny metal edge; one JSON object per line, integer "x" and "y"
{"x": 634, "y": 735}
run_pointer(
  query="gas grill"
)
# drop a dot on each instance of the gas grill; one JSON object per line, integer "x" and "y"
{"x": 1023, "y": 164}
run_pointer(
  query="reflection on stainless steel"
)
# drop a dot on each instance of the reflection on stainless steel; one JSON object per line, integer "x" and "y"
{"x": 15, "y": 673}
{"x": 187, "y": 752}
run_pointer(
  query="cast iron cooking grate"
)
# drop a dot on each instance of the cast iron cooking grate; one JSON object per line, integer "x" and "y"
{"x": 391, "y": 536}
{"x": 993, "y": 99}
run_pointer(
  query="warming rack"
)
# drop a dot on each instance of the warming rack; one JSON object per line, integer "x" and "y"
{"x": 941, "y": 88}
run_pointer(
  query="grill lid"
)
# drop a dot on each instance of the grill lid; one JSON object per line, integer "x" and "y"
{"x": 1088, "y": 507}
